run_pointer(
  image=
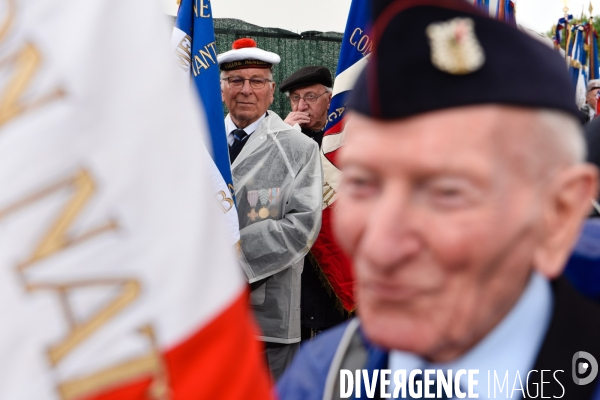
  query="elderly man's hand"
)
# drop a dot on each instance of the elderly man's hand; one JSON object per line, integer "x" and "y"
{"x": 297, "y": 117}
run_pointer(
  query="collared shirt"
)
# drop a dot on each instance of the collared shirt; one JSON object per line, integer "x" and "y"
{"x": 230, "y": 127}
{"x": 511, "y": 346}
{"x": 589, "y": 111}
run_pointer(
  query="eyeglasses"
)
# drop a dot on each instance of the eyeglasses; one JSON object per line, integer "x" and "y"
{"x": 237, "y": 82}
{"x": 310, "y": 98}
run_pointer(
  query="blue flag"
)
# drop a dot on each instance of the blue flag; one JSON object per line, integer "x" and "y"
{"x": 577, "y": 53}
{"x": 356, "y": 45}
{"x": 197, "y": 52}
{"x": 193, "y": 42}
{"x": 593, "y": 64}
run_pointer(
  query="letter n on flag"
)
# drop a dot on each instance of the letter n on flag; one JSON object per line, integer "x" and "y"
{"x": 354, "y": 52}
{"x": 117, "y": 281}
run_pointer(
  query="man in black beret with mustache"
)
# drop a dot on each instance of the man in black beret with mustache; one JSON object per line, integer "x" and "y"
{"x": 309, "y": 91}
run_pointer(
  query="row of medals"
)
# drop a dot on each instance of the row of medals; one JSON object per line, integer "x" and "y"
{"x": 266, "y": 197}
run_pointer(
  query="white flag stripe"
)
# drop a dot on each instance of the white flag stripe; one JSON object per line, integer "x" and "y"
{"x": 115, "y": 141}
{"x": 345, "y": 81}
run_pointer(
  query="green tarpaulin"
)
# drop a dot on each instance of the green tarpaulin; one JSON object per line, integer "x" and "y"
{"x": 295, "y": 50}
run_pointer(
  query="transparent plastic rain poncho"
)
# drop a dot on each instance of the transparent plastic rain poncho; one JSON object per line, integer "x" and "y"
{"x": 278, "y": 187}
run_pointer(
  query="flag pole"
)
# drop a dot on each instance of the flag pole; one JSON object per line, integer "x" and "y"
{"x": 567, "y": 29}
{"x": 591, "y": 41}
{"x": 593, "y": 49}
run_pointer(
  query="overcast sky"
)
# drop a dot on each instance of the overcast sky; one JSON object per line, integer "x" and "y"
{"x": 330, "y": 15}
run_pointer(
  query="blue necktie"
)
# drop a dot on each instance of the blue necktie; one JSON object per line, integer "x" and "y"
{"x": 239, "y": 140}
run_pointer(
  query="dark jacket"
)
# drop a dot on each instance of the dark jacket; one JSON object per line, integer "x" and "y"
{"x": 592, "y": 138}
{"x": 319, "y": 307}
{"x": 574, "y": 327}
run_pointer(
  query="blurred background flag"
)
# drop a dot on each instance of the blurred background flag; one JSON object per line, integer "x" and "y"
{"x": 562, "y": 28}
{"x": 193, "y": 41}
{"x": 592, "y": 46}
{"x": 484, "y": 5}
{"x": 503, "y": 10}
{"x": 115, "y": 273}
{"x": 578, "y": 62}
{"x": 356, "y": 46}
{"x": 506, "y": 11}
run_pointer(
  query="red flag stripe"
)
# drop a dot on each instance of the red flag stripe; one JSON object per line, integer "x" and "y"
{"x": 334, "y": 263}
{"x": 221, "y": 361}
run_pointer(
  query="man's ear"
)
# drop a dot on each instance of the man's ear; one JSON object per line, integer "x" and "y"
{"x": 567, "y": 204}
{"x": 273, "y": 92}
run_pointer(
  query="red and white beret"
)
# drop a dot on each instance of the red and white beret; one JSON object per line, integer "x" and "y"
{"x": 245, "y": 54}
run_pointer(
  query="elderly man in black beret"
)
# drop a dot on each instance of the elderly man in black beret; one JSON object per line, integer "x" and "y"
{"x": 309, "y": 90}
{"x": 459, "y": 211}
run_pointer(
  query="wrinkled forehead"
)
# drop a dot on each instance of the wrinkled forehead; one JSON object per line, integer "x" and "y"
{"x": 487, "y": 137}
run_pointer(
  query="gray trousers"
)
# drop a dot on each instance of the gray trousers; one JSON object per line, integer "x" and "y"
{"x": 279, "y": 357}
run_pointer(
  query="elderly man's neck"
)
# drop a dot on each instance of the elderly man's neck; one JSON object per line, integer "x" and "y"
{"x": 243, "y": 123}
{"x": 449, "y": 352}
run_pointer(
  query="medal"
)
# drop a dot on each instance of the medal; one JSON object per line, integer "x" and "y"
{"x": 263, "y": 196}
{"x": 252, "y": 199}
{"x": 455, "y": 48}
{"x": 274, "y": 199}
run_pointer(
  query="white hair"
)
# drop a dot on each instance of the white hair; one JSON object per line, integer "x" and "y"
{"x": 564, "y": 135}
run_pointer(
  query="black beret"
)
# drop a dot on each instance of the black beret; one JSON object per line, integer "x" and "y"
{"x": 307, "y": 76}
{"x": 435, "y": 54}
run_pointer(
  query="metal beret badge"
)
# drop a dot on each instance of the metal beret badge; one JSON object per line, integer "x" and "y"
{"x": 455, "y": 48}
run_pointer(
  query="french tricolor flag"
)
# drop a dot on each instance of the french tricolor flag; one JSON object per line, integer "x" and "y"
{"x": 117, "y": 280}
{"x": 356, "y": 47}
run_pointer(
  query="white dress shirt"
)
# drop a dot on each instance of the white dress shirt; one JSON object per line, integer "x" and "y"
{"x": 230, "y": 127}
{"x": 511, "y": 346}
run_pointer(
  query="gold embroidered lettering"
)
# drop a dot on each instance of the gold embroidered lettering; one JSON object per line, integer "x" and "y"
{"x": 184, "y": 52}
{"x": 26, "y": 63}
{"x": 10, "y": 17}
{"x": 79, "y": 331}
{"x": 354, "y": 33}
{"x": 57, "y": 237}
{"x": 198, "y": 64}
{"x": 206, "y": 53}
{"x": 224, "y": 199}
{"x": 151, "y": 365}
{"x": 328, "y": 194}
{"x": 202, "y": 8}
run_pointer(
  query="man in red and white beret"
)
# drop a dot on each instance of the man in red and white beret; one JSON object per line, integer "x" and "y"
{"x": 278, "y": 185}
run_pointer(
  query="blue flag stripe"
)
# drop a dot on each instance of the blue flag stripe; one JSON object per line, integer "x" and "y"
{"x": 195, "y": 19}
{"x": 356, "y": 44}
